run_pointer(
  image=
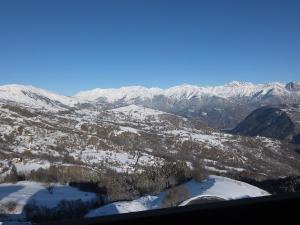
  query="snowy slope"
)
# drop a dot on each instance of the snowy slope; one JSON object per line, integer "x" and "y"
{"x": 25, "y": 192}
{"x": 27, "y": 167}
{"x": 137, "y": 112}
{"x": 222, "y": 187}
{"x": 119, "y": 161}
{"x": 215, "y": 186}
{"x": 141, "y": 204}
{"x": 35, "y": 97}
{"x": 115, "y": 94}
{"x": 107, "y": 138}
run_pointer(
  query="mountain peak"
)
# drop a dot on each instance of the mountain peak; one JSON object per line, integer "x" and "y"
{"x": 293, "y": 86}
{"x": 11, "y": 87}
{"x": 34, "y": 97}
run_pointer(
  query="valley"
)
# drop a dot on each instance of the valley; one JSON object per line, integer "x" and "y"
{"x": 128, "y": 143}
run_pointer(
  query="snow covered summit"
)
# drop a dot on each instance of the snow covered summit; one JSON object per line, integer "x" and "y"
{"x": 231, "y": 90}
{"x": 35, "y": 97}
{"x": 228, "y": 103}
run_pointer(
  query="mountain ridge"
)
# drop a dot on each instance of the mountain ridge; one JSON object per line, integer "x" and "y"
{"x": 220, "y": 107}
{"x": 172, "y": 91}
{"x": 180, "y": 90}
{"x": 280, "y": 122}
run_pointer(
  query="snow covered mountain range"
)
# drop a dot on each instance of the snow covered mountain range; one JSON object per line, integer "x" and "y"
{"x": 120, "y": 126}
{"x": 234, "y": 89}
{"x": 35, "y": 97}
{"x": 219, "y": 106}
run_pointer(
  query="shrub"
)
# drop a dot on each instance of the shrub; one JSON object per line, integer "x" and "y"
{"x": 89, "y": 187}
{"x": 13, "y": 177}
{"x": 27, "y": 154}
{"x": 175, "y": 195}
{"x": 61, "y": 174}
{"x": 19, "y": 110}
{"x": 64, "y": 210}
{"x": 146, "y": 183}
{"x": 119, "y": 186}
{"x": 199, "y": 174}
{"x": 9, "y": 206}
{"x": 176, "y": 172}
{"x": 42, "y": 175}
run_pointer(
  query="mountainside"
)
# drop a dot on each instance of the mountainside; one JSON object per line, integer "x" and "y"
{"x": 36, "y": 97}
{"x": 38, "y": 125}
{"x": 24, "y": 193}
{"x": 130, "y": 138}
{"x": 219, "y": 106}
{"x": 280, "y": 122}
{"x": 136, "y": 143}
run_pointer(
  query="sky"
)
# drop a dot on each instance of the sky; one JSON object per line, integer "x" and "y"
{"x": 68, "y": 46}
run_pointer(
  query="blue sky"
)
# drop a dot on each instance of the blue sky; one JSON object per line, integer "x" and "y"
{"x": 67, "y": 46}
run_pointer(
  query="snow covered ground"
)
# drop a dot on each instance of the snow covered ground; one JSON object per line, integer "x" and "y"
{"x": 112, "y": 132}
{"x": 35, "y": 97}
{"x": 119, "y": 161}
{"x": 137, "y": 112}
{"x": 222, "y": 187}
{"x": 27, "y": 167}
{"x": 26, "y": 192}
{"x": 213, "y": 186}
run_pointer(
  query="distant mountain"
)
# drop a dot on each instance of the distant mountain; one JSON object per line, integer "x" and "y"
{"x": 233, "y": 90}
{"x": 219, "y": 107}
{"x": 35, "y": 97}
